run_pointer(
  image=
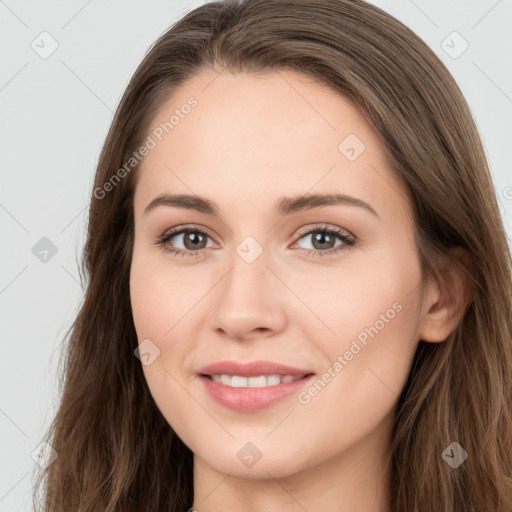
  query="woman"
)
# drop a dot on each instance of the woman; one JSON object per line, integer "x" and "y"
{"x": 298, "y": 281}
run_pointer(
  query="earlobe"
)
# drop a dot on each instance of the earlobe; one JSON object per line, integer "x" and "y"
{"x": 448, "y": 297}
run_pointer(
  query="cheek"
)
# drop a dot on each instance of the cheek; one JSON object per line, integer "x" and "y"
{"x": 157, "y": 296}
{"x": 372, "y": 311}
{"x": 379, "y": 291}
{"x": 367, "y": 361}
{"x": 156, "y": 309}
{"x": 145, "y": 299}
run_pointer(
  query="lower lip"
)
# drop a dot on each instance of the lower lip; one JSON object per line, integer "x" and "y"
{"x": 252, "y": 399}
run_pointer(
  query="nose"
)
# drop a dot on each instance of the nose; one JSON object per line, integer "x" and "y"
{"x": 248, "y": 301}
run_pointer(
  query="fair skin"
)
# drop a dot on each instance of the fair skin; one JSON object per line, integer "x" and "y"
{"x": 251, "y": 140}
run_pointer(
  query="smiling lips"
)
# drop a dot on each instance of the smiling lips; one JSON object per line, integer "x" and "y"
{"x": 260, "y": 381}
{"x": 252, "y": 386}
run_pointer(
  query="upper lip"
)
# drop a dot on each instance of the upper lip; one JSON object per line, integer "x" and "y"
{"x": 251, "y": 369}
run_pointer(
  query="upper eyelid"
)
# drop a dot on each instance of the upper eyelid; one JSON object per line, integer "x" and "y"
{"x": 183, "y": 229}
{"x": 324, "y": 226}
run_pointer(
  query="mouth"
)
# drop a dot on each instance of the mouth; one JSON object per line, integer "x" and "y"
{"x": 257, "y": 381}
{"x": 251, "y": 394}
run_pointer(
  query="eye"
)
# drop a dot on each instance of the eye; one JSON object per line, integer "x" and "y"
{"x": 194, "y": 240}
{"x": 322, "y": 239}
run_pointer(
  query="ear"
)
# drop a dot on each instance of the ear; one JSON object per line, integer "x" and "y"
{"x": 447, "y": 297}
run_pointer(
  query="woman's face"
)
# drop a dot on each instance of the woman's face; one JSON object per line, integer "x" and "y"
{"x": 261, "y": 280}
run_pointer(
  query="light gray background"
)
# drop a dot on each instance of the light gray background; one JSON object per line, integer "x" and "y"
{"x": 55, "y": 115}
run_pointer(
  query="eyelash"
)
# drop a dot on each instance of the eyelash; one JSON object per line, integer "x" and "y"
{"x": 348, "y": 241}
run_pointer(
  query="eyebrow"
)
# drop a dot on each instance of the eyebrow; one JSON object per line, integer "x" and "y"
{"x": 285, "y": 206}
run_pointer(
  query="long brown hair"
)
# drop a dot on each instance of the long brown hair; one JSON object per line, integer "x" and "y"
{"x": 116, "y": 452}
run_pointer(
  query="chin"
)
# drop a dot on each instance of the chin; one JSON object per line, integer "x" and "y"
{"x": 276, "y": 465}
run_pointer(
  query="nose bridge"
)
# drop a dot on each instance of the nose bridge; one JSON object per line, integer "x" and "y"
{"x": 246, "y": 298}
{"x": 248, "y": 276}
{"x": 248, "y": 263}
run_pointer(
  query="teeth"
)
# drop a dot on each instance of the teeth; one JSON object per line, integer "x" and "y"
{"x": 261, "y": 381}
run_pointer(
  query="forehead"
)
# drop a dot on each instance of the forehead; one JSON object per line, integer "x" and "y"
{"x": 251, "y": 136}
